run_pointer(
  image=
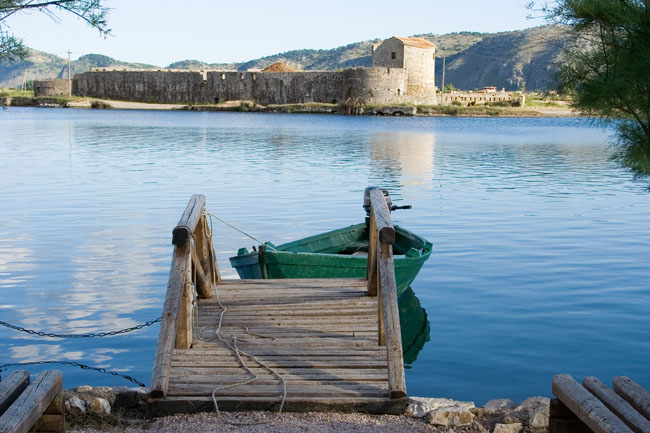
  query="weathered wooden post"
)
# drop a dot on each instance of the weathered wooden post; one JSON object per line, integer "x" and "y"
{"x": 176, "y": 325}
{"x": 389, "y": 325}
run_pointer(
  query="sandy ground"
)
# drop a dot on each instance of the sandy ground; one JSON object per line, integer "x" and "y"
{"x": 264, "y": 422}
{"x": 126, "y": 105}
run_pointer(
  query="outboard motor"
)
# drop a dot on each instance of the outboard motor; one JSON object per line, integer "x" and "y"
{"x": 366, "y": 200}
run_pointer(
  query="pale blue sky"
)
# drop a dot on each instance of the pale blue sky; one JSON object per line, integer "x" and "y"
{"x": 163, "y": 31}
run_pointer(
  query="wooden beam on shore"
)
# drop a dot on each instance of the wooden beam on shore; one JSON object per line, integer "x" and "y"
{"x": 32, "y": 403}
{"x": 634, "y": 394}
{"x": 586, "y": 406}
{"x": 12, "y": 387}
{"x": 617, "y": 404}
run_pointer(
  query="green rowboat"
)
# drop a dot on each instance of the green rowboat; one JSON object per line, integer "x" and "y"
{"x": 340, "y": 253}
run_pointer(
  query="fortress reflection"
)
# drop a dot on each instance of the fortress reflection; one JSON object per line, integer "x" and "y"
{"x": 402, "y": 159}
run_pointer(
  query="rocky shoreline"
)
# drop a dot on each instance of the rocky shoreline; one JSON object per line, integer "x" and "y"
{"x": 118, "y": 409}
{"x": 307, "y": 108}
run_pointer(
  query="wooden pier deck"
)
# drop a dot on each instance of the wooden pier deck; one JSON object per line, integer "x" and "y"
{"x": 334, "y": 343}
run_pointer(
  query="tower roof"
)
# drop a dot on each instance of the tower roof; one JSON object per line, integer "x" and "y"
{"x": 417, "y": 42}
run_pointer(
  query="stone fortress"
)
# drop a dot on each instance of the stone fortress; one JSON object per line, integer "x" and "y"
{"x": 402, "y": 72}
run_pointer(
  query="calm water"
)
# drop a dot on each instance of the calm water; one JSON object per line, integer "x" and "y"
{"x": 541, "y": 244}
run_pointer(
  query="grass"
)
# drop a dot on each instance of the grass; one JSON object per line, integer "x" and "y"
{"x": 16, "y": 93}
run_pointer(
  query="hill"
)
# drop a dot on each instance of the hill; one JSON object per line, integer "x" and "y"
{"x": 509, "y": 60}
{"x": 41, "y": 66}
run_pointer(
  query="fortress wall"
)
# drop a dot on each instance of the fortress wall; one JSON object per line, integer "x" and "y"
{"x": 54, "y": 87}
{"x": 276, "y": 87}
{"x": 377, "y": 85}
{"x": 142, "y": 86}
{"x": 176, "y": 87}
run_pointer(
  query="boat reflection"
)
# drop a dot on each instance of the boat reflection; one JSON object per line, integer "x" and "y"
{"x": 414, "y": 324}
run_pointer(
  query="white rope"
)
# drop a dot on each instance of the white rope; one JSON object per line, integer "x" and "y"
{"x": 211, "y": 215}
{"x": 235, "y": 349}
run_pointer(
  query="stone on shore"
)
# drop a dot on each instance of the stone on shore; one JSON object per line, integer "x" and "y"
{"x": 450, "y": 418}
{"x": 75, "y": 406}
{"x": 99, "y": 406}
{"x": 499, "y": 404}
{"x": 508, "y": 428}
{"x": 419, "y": 407}
{"x": 533, "y": 402}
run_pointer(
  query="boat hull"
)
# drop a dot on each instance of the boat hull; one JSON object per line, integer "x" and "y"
{"x": 330, "y": 255}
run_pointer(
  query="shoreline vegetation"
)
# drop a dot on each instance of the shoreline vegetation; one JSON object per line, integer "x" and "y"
{"x": 534, "y": 107}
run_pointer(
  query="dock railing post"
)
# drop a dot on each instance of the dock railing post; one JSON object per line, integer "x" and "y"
{"x": 388, "y": 308}
{"x": 193, "y": 267}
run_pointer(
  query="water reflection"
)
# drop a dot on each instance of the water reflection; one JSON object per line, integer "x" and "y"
{"x": 402, "y": 159}
{"x": 415, "y": 326}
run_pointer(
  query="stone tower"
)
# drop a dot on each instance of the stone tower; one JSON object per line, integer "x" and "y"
{"x": 417, "y": 56}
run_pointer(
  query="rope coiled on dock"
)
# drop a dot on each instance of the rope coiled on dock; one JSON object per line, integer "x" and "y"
{"x": 237, "y": 351}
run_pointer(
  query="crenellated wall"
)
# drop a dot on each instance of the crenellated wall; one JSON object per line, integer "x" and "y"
{"x": 372, "y": 85}
{"x": 402, "y": 73}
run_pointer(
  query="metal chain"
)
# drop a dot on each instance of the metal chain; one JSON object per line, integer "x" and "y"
{"x": 76, "y": 364}
{"x": 90, "y": 335}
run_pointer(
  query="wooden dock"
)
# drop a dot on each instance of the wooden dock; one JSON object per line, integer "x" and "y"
{"x": 315, "y": 345}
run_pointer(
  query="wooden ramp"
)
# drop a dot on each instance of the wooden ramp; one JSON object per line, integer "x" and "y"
{"x": 335, "y": 343}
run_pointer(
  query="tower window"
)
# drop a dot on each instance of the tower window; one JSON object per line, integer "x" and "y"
{"x": 393, "y": 55}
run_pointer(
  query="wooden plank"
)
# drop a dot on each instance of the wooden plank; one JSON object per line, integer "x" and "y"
{"x": 293, "y": 351}
{"x": 253, "y": 390}
{"x": 298, "y": 281}
{"x": 296, "y": 363}
{"x": 191, "y": 404}
{"x": 167, "y": 332}
{"x": 11, "y": 387}
{"x": 183, "y": 231}
{"x": 31, "y": 404}
{"x": 268, "y": 380}
{"x": 634, "y": 394}
{"x": 312, "y": 308}
{"x": 616, "y": 404}
{"x": 587, "y": 407}
{"x": 294, "y": 290}
{"x": 211, "y": 373}
{"x": 388, "y": 285}
{"x": 385, "y": 229}
{"x": 371, "y": 270}
{"x": 253, "y": 344}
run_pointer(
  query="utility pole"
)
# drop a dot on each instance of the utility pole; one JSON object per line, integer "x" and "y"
{"x": 69, "y": 76}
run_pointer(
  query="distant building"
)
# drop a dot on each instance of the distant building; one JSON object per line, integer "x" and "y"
{"x": 418, "y": 57}
{"x": 402, "y": 72}
{"x": 54, "y": 87}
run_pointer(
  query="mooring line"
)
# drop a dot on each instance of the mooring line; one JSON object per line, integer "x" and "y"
{"x": 211, "y": 215}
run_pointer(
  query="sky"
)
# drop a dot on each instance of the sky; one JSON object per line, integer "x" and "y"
{"x": 160, "y": 32}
